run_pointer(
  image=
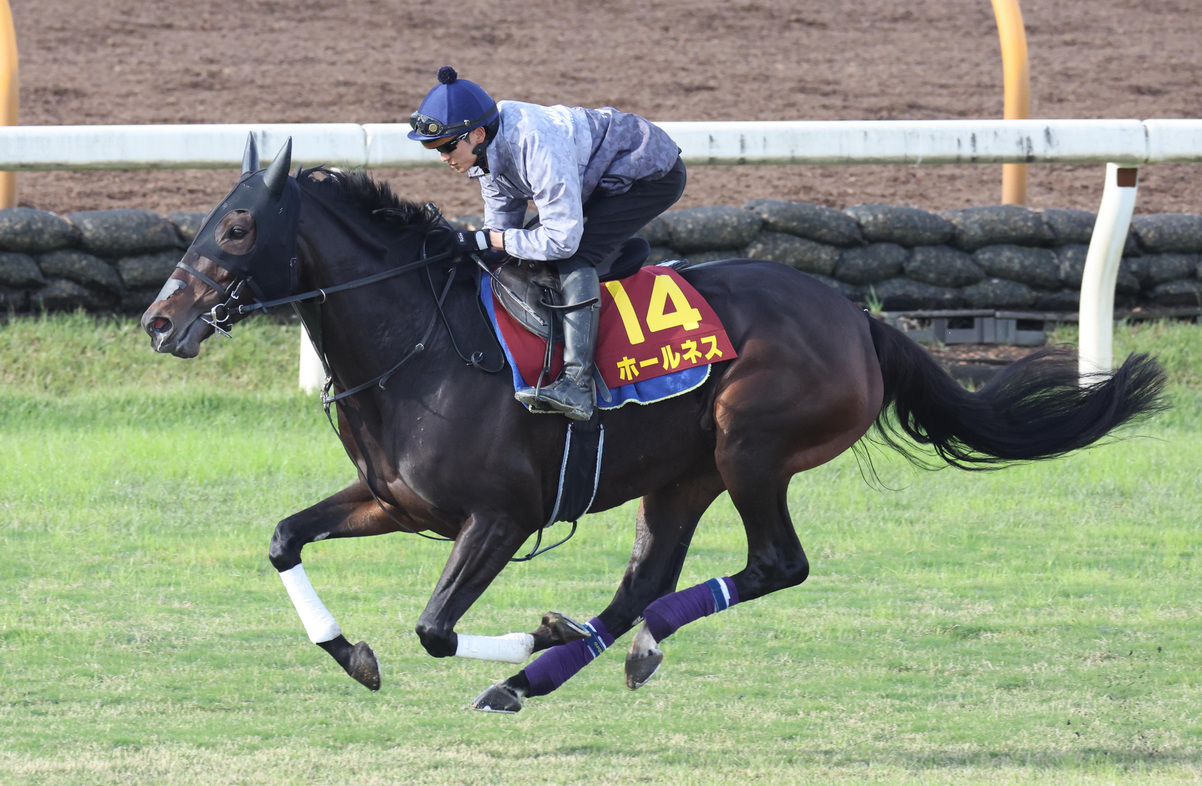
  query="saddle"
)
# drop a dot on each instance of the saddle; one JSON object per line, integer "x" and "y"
{"x": 529, "y": 290}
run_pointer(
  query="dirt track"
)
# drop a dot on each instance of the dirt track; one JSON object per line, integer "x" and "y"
{"x": 133, "y": 61}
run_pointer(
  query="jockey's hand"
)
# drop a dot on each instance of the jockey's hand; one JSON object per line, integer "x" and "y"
{"x": 470, "y": 242}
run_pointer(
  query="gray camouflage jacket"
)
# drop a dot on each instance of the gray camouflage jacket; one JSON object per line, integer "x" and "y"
{"x": 558, "y": 157}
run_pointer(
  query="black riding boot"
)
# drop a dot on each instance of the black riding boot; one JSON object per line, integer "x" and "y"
{"x": 573, "y": 393}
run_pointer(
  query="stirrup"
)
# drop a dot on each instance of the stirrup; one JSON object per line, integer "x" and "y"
{"x": 564, "y": 396}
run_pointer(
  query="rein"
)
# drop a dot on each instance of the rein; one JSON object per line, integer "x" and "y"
{"x": 418, "y": 348}
{"x": 319, "y": 295}
{"x": 221, "y": 312}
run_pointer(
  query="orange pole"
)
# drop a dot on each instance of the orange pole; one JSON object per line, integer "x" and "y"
{"x": 8, "y": 95}
{"x": 1017, "y": 86}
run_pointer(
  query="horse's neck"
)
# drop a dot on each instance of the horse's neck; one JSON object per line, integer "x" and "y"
{"x": 366, "y": 329}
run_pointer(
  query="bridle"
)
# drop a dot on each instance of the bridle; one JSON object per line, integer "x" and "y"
{"x": 219, "y": 314}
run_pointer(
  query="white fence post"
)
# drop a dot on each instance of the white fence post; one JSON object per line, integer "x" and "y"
{"x": 312, "y": 375}
{"x": 1096, "y": 352}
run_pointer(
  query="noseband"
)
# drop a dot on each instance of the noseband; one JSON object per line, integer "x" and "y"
{"x": 219, "y": 315}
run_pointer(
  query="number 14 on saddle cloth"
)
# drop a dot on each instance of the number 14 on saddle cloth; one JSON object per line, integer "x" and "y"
{"x": 657, "y": 339}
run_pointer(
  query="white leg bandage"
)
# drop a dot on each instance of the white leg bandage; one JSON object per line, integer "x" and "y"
{"x": 319, "y": 622}
{"x": 510, "y": 648}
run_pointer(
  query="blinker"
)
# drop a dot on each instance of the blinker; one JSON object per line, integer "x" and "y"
{"x": 273, "y": 200}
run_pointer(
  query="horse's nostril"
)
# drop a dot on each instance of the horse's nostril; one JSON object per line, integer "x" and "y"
{"x": 160, "y": 324}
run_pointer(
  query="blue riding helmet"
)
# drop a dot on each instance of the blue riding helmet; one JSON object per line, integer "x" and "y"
{"x": 455, "y": 106}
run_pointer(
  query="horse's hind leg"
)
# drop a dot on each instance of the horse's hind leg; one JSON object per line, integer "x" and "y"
{"x": 767, "y": 432}
{"x": 775, "y": 561}
{"x": 350, "y": 513}
{"x": 666, "y": 521}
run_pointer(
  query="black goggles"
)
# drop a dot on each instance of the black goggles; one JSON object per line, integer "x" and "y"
{"x": 435, "y": 128}
{"x": 431, "y": 126}
{"x": 449, "y": 147}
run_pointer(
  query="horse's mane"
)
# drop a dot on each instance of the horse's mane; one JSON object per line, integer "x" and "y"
{"x": 372, "y": 197}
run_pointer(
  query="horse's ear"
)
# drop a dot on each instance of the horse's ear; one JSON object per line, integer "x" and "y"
{"x": 277, "y": 173}
{"x": 250, "y": 157}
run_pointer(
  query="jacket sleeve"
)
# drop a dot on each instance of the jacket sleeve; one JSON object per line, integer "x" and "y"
{"x": 501, "y": 210}
{"x": 548, "y": 163}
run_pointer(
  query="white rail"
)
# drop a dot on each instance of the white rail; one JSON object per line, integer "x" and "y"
{"x": 385, "y": 146}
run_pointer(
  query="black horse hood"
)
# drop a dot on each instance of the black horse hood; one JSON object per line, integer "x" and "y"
{"x": 273, "y": 199}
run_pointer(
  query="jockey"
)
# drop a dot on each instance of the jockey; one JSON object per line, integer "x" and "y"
{"x": 596, "y": 176}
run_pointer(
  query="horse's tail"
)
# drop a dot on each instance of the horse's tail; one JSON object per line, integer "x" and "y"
{"x": 1034, "y": 408}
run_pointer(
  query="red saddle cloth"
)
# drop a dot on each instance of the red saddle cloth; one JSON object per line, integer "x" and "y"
{"x": 653, "y": 323}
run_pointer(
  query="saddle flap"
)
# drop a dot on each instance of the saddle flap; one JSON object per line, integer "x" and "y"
{"x": 525, "y": 289}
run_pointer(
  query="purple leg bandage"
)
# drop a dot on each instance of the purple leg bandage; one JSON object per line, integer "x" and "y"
{"x": 557, "y": 665}
{"x": 668, "y": 614}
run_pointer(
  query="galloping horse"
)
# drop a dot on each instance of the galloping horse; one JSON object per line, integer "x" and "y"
{"x": 442, "y": 447}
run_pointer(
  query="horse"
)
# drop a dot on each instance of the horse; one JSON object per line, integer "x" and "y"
{"x": 443, "y": 450}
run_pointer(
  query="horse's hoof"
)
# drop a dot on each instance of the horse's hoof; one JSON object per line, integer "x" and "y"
{"x": 364, "y": 667}
{"x": 498, "y": 698}
{"x": 640, "y": 670}
{"x": 643, "y": 659}
{"x": 561, "y": 629}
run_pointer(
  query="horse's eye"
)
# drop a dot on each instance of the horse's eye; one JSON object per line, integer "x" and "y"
{"x": 237, "y": 233}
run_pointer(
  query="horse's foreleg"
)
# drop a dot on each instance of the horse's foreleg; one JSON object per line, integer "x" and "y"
{"x": 666, "y": 521}
{"x": 359, "y": 660}
{"x": 556, "y": 628}
{"x": 481, "y": 551}
{"x": 350, "y": 513}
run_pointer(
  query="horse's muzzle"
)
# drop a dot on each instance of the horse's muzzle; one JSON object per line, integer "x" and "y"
{"x": 167, "y": 337}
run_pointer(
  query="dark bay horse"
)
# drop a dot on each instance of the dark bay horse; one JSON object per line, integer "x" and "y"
{"x": 442, "y": 448}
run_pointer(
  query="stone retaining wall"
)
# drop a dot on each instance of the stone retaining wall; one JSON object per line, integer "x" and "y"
{"x": 903, "y": 258}
{"x": 102, "y": 261}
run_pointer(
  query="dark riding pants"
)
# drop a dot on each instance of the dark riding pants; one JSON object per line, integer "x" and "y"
{"x": 610, "y": 220}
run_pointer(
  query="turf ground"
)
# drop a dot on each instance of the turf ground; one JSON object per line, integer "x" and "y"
{"x": 1038, "y": 624}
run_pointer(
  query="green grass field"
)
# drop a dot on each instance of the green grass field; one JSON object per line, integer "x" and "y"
{"x": 1035, "y": 625}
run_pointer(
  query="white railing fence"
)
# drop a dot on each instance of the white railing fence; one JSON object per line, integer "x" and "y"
{"x": 385, "y": 146}
{"x": 1121, "y": 145}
